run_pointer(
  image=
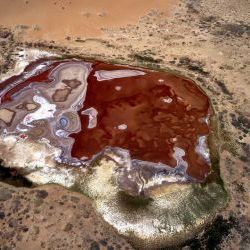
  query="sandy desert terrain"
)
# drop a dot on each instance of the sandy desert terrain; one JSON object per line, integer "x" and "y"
{"x": 207, "y": 41}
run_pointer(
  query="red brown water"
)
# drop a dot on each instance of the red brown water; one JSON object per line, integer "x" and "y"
{"x": 149, "y": 114}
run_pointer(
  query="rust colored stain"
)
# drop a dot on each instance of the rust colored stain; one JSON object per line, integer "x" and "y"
{"x": 158, "y": 117}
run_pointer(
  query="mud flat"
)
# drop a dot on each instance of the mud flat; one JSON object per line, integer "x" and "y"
{"x": 204, "y": 41}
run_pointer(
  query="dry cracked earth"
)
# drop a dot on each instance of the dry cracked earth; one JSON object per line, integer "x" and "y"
{"x": 207, "y": 41}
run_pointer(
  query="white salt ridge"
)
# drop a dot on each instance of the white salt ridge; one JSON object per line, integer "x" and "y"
{"x": 167, "y": 99}
{"x": 103, "y": 75}
{"x": 202, "y": 148}
{"x": 92, "y": 113}
{"x": 122, "y": 126}
{"x": 118, "y": 88}
{"x": 45, "y": 111}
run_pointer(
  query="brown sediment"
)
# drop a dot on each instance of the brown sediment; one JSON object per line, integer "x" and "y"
{"x": 27, "y": 106}
{"x": 72, "y": 83}
{"x": 79, "y": 18}
{"x": 6, "y": 115}
{"x": 158, "y": 117}
{"x": 61, "y": 95}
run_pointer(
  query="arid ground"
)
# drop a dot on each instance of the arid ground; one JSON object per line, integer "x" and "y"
{"x": 205, "y": 40}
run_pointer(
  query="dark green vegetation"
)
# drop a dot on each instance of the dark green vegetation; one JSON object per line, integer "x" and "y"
{"x": 131, "y": 202}
{"x": 145, "y": 58}
{"x": 193, "y": 65}
{"x": 241, "y": 122}
{"x": 10, "y": 176}
{"x": 213, "y": 234}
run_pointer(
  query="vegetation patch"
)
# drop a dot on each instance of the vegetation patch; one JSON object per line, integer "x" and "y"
{"x": 145, "y": 58}
{"x": 11, "y": 177}
{"x": 193, "y": 65}
{"x": 214, "y": 234}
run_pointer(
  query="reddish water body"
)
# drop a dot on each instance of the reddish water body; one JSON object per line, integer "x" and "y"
{"x": 92, "y": 105}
